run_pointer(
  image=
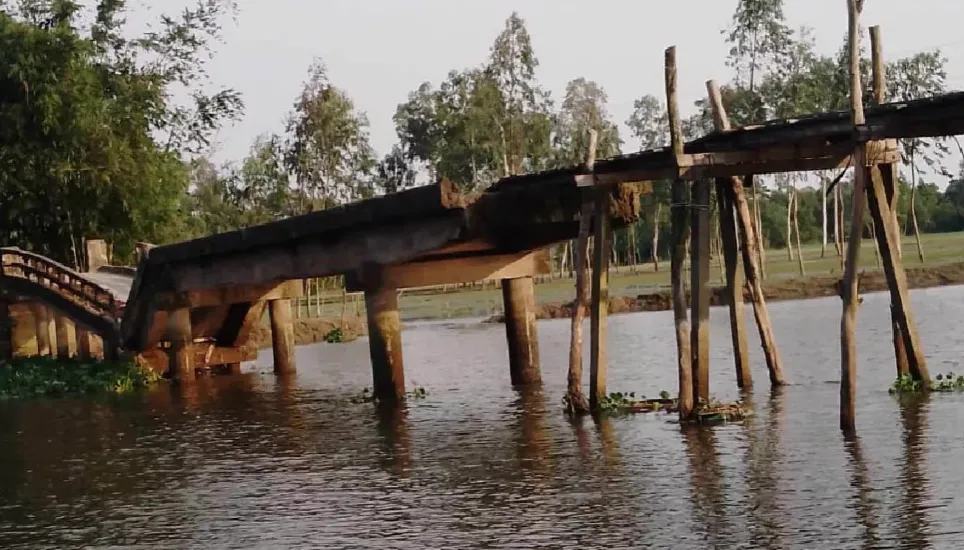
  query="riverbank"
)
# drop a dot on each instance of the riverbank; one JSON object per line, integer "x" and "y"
{"x": 774, "y": 291}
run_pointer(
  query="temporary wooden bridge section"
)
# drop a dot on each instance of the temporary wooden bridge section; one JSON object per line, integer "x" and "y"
{"x": 727, "y": 160}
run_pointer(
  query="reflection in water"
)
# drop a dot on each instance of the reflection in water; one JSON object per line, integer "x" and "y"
{"x": 533, "y": 443}
{"x": 706, "y": 478}
{"x": 763, "y": 458}
{"x": 860, "y": 482}
{"x": 913, "y": 521}
{"x": 396, "y": 440}
{"x": 253, "y": 461}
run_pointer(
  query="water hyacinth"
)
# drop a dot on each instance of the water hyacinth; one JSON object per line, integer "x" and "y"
{"x": 43, "y": 376}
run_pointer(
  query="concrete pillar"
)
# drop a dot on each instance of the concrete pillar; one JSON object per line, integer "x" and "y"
{"x": 83, "y": 342}
{"x": 518, "y": 297}
{"x": 97, "y": 254}
{"x": 63, "y": 327}
{"x": 282, "y": 336}
{"x": 385, "y": 343}
{"x": 42, "y": 322}
{"x": 181, "y": 354}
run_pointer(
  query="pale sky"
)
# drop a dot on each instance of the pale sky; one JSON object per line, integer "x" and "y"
{"x": 380, "y": 50}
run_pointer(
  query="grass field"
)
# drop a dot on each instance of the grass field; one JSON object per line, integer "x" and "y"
{"x": 939, "y": 249}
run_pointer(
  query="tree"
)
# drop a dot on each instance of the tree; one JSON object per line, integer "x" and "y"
{"x": 329, "y": 153}
{"x": 910, "y": 78}
{"x": 583, "y": 108}
{"x": 522, "y": 109}
{"x": 91, "y": 141}
{"x": 394, "y": 173}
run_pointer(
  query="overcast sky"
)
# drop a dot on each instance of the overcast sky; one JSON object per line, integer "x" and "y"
{"x": 380, "y": 50}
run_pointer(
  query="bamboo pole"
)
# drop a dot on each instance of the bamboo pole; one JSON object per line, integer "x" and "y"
{"x": 848, "y": 288}
{"x": 679, "y": 215}
{"x": 577, "y": 400}
{"x": 747, "y": 227}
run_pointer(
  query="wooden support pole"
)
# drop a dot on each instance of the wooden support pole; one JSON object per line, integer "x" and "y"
{"x": 901, "y": 309}
{"x": 519, "y": 301}
{"x": 42, "y": 322}
{"x": 602, "y": 239}
{"x": 577, "y": 401}
{"x": 282, "y": 336}
{"x": 83, "y": 342}
{"x": 700, "y": 288}
{"x": 887, "y": 174}
{"x": 849, "y": 291}
{"x": 63, "y": 327}
{"x": 734, "y": 282}
{"x": 181, "y": 354}
{"x": 385, "y": 344}
{"x": 751, "y": 268}
{"x": 679, "y": 215}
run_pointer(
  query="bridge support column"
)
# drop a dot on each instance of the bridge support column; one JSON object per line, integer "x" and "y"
{"x": 385, "y": 343}
{"x": 42, "y": 322}
{"x": 63, "y": 336}
{"x": 282, "y": 336}
{"x": 518, "y": 296}
{"x": 83, "y": 342}
{"x": 181, "y": 354}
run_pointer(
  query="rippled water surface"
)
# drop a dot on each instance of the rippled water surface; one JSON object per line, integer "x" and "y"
{"x": 251, "y": 462}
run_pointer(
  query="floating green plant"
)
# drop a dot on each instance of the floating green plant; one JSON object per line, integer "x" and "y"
{"x": 905, "y": 384}
{"x": 718, "y": 412}
{"x": 335, "y": 336}
{"x": 368, "y": 396}
{"x": 44, "y": 376}
{"x": 627, "y": 403}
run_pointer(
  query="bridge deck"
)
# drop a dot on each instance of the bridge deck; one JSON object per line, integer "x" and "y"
{"x": 119, "y": 284}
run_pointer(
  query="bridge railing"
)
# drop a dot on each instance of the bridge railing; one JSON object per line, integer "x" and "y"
{"x": 16, "y": 263}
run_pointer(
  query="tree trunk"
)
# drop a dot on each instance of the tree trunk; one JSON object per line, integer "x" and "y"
{"x": 796, "y": 231}
{"x": 913, "y": 207}
{"x": 823, "y": 211}
{"x": 836, "y": 219}
{"x": 758, "y": 221}
{"x": 789, "y": 223}
{"x": 659, "y": 210}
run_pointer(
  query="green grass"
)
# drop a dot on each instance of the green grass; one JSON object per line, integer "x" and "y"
{"x": 939, "y": 249}
{"x": 44, "y": 376}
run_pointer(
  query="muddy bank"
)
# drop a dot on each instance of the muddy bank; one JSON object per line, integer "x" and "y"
{"x": 313, "y": 330}
{"x": 791, "y": 289}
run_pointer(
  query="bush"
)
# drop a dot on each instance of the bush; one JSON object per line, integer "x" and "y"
{"x": 42, "y": 376}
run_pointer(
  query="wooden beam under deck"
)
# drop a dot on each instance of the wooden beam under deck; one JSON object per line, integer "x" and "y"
{"x": 204, "y": 355}
{"x": 226, "y": 295}
{"x": 451, "y": 270}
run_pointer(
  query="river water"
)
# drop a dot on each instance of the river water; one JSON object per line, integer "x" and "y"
{"x": 251, "y": 462}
